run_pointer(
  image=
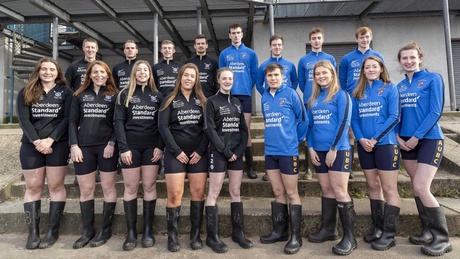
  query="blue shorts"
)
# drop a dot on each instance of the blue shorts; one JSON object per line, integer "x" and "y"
{"x": 218, "y": 163}
{"x": 246, "y": 102}
{"x": 342, "y": 162}
{"x": 141, "y": 156}
{"x": 93, "y": 157}
{"x": 32, "y": 159}
{"x": 384, "y": 157}
{"x": 427, "y": 151}
{"x": 286, "y": 164}
{"x": 173, "y": 166}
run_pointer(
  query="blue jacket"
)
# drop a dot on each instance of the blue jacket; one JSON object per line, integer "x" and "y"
{"x": 377, "y": 113}
{"x": 285, "y": 122}
{"x": 305, "y": 67}
{"x": 243, "y": 61}
{"x": 289, "y": 74}
{"x": 329, "y": 122}
{"x": 422, "y": 101}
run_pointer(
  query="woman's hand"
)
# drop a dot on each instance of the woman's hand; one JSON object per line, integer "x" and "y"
{"x": 330, "y": 157}
{"x": 75, "y": 154}
{"x": 194, "y": 158}
{"x": 183, "y": 158}
{"x": 108, "y": 151}
{"x": 402, "y": 144}
{"x": 233, "y": 158}
{"x": 127, "y": 157}
{"x": 366, "y": 144}
{"x": 314, "y": 157}
{"x": 157, "y": 154}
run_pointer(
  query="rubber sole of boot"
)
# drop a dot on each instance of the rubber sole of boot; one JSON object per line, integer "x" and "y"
{"x": 340, "y": 252}
{"x": 47, "y": 243}
{"x": 219, "y": 251}
{"x": 196, "y": 245}
{"x": 33, "y": 245}
{"x": 97, "y": 244}
{"x": 147, "y": 243}
{"x": 290, "y": 252}
{"x": 383, "y": 248}
{"x": 246, "y": 245}
{"x": 448, "y": 249}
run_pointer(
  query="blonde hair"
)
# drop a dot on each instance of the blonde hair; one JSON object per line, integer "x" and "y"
{"x": 358, "y": 93}
{"x": 131, "y": 87}
{"x": 333, "y": 85}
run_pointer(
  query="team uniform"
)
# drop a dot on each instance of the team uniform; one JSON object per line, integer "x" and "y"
{"x": 181, "y": 126}
{"x": 374, "y": 117}
{"x": 289, "y": 74}
{"x": 226, "y": 129}
{"x": 75, "y": 74}
{"x": 136, "y": 126}
{"x": 422, "y": 101}
{"x": 92, "y": 111}
{"x": 305, "y": 68}
{"x": 165, "y": 74}
{"x": 207, "y": 67}
{"x": 47, "y": 118}
{"x": 328, "y": 128}
{"x": 350, "y": 68}
{"x": 285, "y": 127}
{"x": 122, "y": 72}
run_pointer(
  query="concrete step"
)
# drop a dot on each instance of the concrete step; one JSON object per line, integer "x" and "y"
{"x": 257, "y": 217}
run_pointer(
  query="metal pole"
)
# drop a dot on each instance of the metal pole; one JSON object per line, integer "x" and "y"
{"x": 155, "y": 38}
{"x": 450, "y": 64}
{"x": 55, "y": 38}
{"x": 198, "y": 20}
{"x": 272, "y": 19}
{"x": 12, "y": 76}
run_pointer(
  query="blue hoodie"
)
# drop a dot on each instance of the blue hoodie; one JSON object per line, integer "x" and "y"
{"x": 289, "y": 74}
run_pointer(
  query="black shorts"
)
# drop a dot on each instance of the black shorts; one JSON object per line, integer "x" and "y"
{"x": 286, "y": 164}
{"x": 342, "y": 162}
{"x": 384, "y": 157}
{"x": 427, "y": 151}
{"x": 32, "y": 159}
{"x": 141, "y": 156}
{"x": 218, "y": 163}
{"x": 173, "y": 166}
{"x": 246, "y": 102}
{"x": 93, "y": 158}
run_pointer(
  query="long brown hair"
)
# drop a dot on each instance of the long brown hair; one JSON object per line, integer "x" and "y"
{"x": 358, "y": 93}
{"x": 131, "y": 87}
{"x": 196, "y": 88}
{"x": 109, "y": 84}
{"x": 333, "y": 85}
{"x": 34, "y": 88}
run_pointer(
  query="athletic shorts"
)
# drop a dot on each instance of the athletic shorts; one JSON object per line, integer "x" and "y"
{"x": 286, "y": 164}
{"x": 93, "y": 158}
{"x": 173, "y": 166}
{"x": 32, "y": 159}
{"x": 427, "y": 151}
{"x": 384, "y": 157}
{"x": 218, "y": 163}
{"x": 246, "y": 102}
{"x": 141, "y": 156}
{"x": 342, "y": 162}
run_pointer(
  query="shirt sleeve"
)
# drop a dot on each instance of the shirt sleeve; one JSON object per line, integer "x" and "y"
{"x": 293, "y": 77}
{"x": 393, "y": 107}
{"x": 74, "y": 121}
{"x": 343, "y": 73}
{"x": 210, "y": 129}
{"x": 25, "y": 119}
{"x": 69, "y": 76}
{"x": 302, "y": 78}
{"x": 115, "y": 76}
{"x": 63, "y": 126}
{"x": 310, "y": 128}
{"x": 302, "y": 120}
{"x": 254, "y": 68}
{"x": 260, "y": 81}
{"x": 244, "y": 137}
{"x": 355, "y": 120}
{"x": 120, "y": 117}
{"x": 344, "y": 110}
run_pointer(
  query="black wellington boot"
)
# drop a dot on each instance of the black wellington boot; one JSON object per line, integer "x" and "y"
{"x": 390, "y": 221}
{"x": 131, "y": 222}
{"x": 32, "y": 212}
{"x": 237, "y": 226}
{"x": 55, "y": 215}
{"x": 173, "y": 216}
{"x": 87, "y": 217}
{"x": 249, "y": 163}
{"x": 347, "y": 217}
{"x": 295, "y": 242}
{"x": 438, "y": 227}
{"x": 212, "y": 226}
{"x": 148, "y": 240}
{"x": 196, "y": 218}
{"x": 106, "y": 229}
{"x": 280, "y": 224}
{"x": 425, "y": 236}
{"x": 377, "y": 207}
{"x": 328, "y": 229}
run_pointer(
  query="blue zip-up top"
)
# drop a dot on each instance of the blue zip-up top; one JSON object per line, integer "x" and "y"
{"x": 289, "y": 74}
{"x": 377, "y": 113}
{"x": 285, "y": 122}
{"x": 329, "y": 122}
{"x": 305, "y": 67}
{"x": 422, "y": 101}
{"x": 350, "y": 68}
{"x": 243, "y": 62}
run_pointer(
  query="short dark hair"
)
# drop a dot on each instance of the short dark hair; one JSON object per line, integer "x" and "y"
{"x": 276, "y": 37}
{"x": 273, "y": 66}
{"x": 234, "y": 26}
{"x": 200, "y": 36}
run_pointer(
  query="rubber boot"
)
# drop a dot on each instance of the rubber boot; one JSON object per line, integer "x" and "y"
{"x": 55, "y": 215}
{"x": 87, "y": 218}
{"x": 347, "y": 217}
{"x": 295, "y": 242}
{"x": 249, "y": 163}
{"x": 32, "y": 212}
{"x": 437, "y": 225}
{"x": 328, "y": 229}
{"x": 131, "y": 222}
{"x": 280, "y": 224}
{"x": 196, "y": 218}
{"x": 106, "y": 230}
{"x": 212, "y": 226}
{"x": 148, "y": 240}
{"x": 237, "y": 225}
{"x": 173, "y": 216}
{"x": 377, "y": 207}
{"x": 390, "y": 221}
{"x": 425, "y": 236}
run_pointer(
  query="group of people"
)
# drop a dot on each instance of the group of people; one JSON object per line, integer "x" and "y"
{"x": 193, "y": 120}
